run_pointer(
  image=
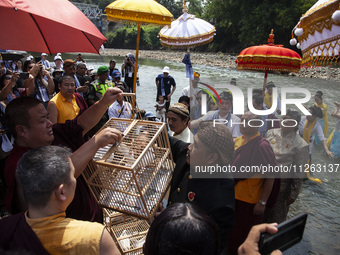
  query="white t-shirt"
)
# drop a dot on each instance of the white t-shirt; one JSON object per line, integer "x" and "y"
{"x": 234, "y": 128}
{"x": 191, "y": 92}
{"x": 124, "y": 111}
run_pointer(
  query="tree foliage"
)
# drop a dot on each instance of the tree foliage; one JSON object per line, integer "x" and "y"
{"x": 245, "y": 23}
{"x": 239, "y": 23}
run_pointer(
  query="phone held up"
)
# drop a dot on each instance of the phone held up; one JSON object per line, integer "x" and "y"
{"x": 289, "y": 233}
{"x": 24, "y": 75}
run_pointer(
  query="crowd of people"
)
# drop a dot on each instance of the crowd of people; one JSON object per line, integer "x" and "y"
{"x": 45, "y": 106}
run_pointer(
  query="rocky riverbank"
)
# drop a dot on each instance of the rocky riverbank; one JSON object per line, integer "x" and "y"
{"x": 221, "y": 60}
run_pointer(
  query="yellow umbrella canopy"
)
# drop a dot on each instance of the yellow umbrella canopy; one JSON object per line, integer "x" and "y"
{"x": 140, "y": 11}
{"x": 144, "y": 11}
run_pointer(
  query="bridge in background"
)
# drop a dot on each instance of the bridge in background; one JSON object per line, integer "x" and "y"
{"x": 90, "y": 10}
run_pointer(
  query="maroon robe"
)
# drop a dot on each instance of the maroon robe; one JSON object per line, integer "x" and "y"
{"x": 254, "y": 153}
{"x": 81, "y": 103}
{"x": 16, "y": 234}
{"x": 84, "y": 206}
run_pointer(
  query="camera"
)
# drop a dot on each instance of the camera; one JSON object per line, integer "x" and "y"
{"x": 128, "y": 59}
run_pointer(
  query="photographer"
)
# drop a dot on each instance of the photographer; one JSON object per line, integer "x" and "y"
{"x": 128, "y": 70}
{"x": 39, "y": 83}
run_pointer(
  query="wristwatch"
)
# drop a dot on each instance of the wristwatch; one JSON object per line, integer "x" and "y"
{"x": 262, "y": 202}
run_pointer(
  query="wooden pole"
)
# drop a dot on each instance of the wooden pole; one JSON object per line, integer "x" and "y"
{"x": 136, "y": 63}
{"x": 265, "y": 82}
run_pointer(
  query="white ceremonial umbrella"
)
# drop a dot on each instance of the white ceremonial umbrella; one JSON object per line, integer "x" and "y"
{"x": 318, "y": 33}
{"x": 187, "y": 32}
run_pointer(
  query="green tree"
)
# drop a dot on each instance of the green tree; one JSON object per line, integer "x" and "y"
{"x": 175, "y": 7}
{"x": 245, "y": 23}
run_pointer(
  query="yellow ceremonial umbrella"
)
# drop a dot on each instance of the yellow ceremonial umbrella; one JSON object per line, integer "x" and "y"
{"x": 140, "y": 11}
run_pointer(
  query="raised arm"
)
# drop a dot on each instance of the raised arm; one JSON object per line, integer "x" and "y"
{"x": 50, "y": 82}
{"x": 7, "y": 89}
{"x": 92, "y": 115}
{"x": 82, "y": 156}
{"x": 335, "y": 112}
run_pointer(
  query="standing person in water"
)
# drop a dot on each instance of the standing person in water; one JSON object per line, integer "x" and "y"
{"x": 324, "y": 121}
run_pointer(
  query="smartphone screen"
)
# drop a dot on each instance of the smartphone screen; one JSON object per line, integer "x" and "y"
{"x": 289, "y": 233}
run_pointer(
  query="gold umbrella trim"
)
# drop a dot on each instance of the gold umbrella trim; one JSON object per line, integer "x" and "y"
{"x": 324, "y": 23}
{"x": 176, "y": 39}
{"x": 184, "y": 46}
{"x": 310, "y": 57}
{"x": 143, "y": 17}
{"x": 259, "y": 67}
{"x": 319, "y": 12}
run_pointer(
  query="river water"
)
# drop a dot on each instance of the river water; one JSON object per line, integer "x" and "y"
{"x": 320, "y": 200}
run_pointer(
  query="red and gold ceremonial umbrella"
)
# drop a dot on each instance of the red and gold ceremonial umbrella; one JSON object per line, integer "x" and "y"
{"x": 269, "y": 57}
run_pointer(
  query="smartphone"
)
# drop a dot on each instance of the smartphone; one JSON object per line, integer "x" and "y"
{"x": 23, "y": 75}
{"x": 289, "y": 233}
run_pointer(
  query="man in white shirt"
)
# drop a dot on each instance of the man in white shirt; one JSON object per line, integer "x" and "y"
{"x": 223, "y": 114}
{"x": 191, "y": 91}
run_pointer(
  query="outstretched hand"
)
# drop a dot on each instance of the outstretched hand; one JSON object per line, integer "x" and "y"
{"x": 111, "y": 95}
{"x": 107, "y": 136}
{"x": 250, "y": 245}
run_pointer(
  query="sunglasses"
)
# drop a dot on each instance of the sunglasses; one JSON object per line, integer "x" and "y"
{"x": 8, "y": 78}
{"x": 29, "y": 67}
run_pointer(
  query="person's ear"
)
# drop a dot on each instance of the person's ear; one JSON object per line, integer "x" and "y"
{"x": 212, "y": 158}
{"x": 60, "y": 193}
{"x": 59, "y": 86}
{"x": 21, "y": 130}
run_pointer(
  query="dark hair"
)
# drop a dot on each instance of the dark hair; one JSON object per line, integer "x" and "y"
{"x": 185, "y": 99}
{"x": 26, "y": 64}
{"x": 112, "y": 61}
{"x": 182, "y": 229}
{"x": 217, "y": 138}
{"x": 65, "y": 77}
{"x": 316, "y": 111}
{"x": 257, "y": 91}
{"x": 295, "y": 115}
{"x": 17, "y": 112}
{"x": 319, "y": 94}
{"x": 258, "y": 98}
{"x": 40, "y": 171}
{"x": 2, "y": 78}
{"x": 226, "y": 95}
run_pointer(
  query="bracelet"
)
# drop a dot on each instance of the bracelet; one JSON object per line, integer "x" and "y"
{"x": 262, "y": 202}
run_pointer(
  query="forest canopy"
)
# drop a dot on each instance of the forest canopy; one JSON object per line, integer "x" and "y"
{"x": 239, "y": 23}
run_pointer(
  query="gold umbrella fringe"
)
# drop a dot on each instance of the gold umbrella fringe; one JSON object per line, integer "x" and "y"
{"x": 192, "y": 45}
{"x": 118, "y": 15}
{"x": 259, "y": 67}
{"x": 197, "y": 40}
{"x": 319, "y": 13}
{"x": 325, "y": 23}
{"x": 310, "y": 57}
{"x": 268, "y": 58}
{"x": 175, "y": 39}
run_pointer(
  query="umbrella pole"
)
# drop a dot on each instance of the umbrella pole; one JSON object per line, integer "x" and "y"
{"x": 265, "y": 82}
{"x": 136, "y": 63}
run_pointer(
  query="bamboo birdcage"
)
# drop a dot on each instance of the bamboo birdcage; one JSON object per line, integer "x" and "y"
{"x": 129, "y": 233}
{"x": 133, "y": 175}
{"x": 131, "y": 99}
